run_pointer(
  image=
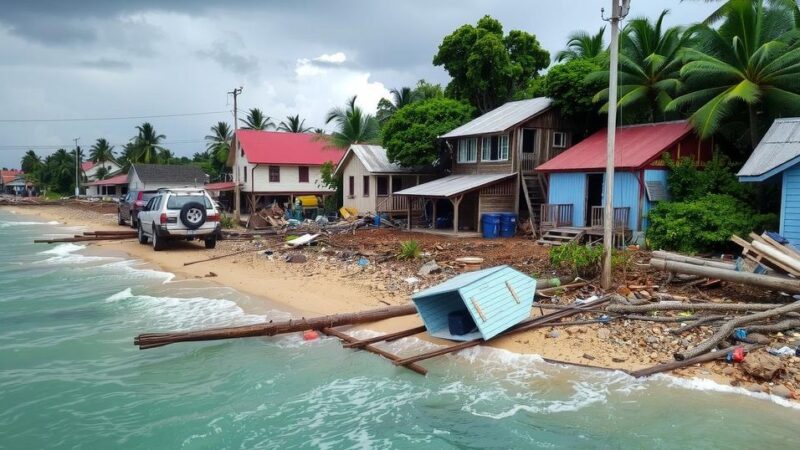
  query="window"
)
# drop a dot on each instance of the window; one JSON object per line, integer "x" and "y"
{"x": 178, "y": 201}
{"x": 245, "y": 174}
{"x": 494, "y": 148}
{"x": 468, "y": 150}
{"x": 303, "y": 174}
{"x": 274, "y": 174}
{"x": 351, "y": 187}
{"x": 383, "y": 186}
{"x": 397, "y": 184}
{"x": 366, "y": 186}
{"x": 559, "y": 139}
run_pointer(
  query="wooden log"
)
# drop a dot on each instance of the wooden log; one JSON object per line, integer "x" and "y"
{"x": 110, "y": 233}
{"x": 699, "y": 322}
{"x": 690, "y": 260}
{"x": 783, "y": 325}
{"x": 385, "y": 337}
{"x": 691, "y": 361}
{"x": 725, "y": 330}
{"x": 372, "y": 349}
{"x": 789, "y": 285}
{"x": 82, "y": 239}
{"x": 151, "y": 340}
{"x": 777, "y": 256}
{"x": 564, "y": 288}
{"x": 678, "y": 306}
{"x": 214, "y": 258}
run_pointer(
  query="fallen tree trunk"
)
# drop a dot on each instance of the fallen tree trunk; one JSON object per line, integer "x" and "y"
{"x": 110, "y": 233}
{"x": 678, "y": 306}
{"x": 152, "y": 340}
{"x": 699, "y": 322}
{"x": 725, "y": 330}
{"x": 696, "y": 261}
{"x": 789, "y": 285}
{"x": 775, "y": 327}
{"x": 688, "y": 362}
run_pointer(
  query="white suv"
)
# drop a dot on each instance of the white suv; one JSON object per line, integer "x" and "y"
{"x": 179, "y": 214}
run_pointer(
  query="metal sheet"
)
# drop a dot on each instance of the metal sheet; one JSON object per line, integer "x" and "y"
{"x": 502, "y": 118}
{"x": 780, "y": 145}
{"x": 453, "y": 185}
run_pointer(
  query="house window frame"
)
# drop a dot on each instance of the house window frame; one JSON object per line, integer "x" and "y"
{"x": 245, "y": 175}
{"x": 467, "y": 147}
{"x": 563, "y": 142}
{"x": 502, "y": 148}
{"x": 387, "y": 186}
{"x": 351, "y": 187}
{"x": 300, "y": 171}
{"x": 365, "y": 186}
{"x": 274, "y": 174}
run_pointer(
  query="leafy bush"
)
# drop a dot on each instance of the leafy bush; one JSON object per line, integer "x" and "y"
{"x": 226, "y": 221}
{"x": 582, "y": 260}
{"x": 702, "y": 224}
{"x": 686, "y": 182}
{"x": 409, "y": 250}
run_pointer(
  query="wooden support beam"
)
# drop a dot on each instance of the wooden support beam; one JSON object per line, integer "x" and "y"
{"x": 385, "y": 337}
{"x": 788, "y": 285}
{"x": 372, "y": 349}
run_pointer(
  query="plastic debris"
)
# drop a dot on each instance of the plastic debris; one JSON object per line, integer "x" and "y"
{"x": 363, "y": 262}
{"x": 783, "y": 351}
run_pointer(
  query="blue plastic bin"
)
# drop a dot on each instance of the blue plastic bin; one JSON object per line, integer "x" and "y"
{"x": 508, "y": 225}
{"x": 490, "y": 223}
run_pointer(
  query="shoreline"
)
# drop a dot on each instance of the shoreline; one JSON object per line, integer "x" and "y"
{"x": 276, "y": 285}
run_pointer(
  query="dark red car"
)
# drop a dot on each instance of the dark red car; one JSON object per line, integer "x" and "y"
{"x": 130, "y": 205}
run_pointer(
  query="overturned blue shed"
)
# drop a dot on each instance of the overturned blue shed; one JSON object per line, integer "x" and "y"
{"x": 476, "y": 305}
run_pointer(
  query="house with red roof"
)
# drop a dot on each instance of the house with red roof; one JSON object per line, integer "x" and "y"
{"x": 576, "y": 178}
{"x": 11, "y": 181}
{"x": 90, "y": 171}
{"x": 274, "y": 166}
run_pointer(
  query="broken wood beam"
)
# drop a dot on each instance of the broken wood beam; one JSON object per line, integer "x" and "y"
{"x": 110, "y": 233}
{"x": 151, "y": 340}
{"x": 214, "y": 258}
{"x": 679, "y": 306}
{"x": 82, "y": 239}
{"x": 788, "y": 285}
{"x": 646, "y": 372}
{"x": 356, "y": 343}
{"x": 372, "y": 349}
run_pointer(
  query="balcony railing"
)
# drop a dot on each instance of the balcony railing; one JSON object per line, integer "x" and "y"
{"x": 620, "y": 217}
{"x": 555, "y": 215}
{"x": 528, "y": 162}
{"x": 392, "y": 203}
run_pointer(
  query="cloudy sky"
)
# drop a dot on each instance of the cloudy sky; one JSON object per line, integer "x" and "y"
{"x": 85, "y": 59}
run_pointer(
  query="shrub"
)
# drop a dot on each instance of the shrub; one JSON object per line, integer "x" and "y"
{"x": 226, "y": 221}
{"x": 409, "y": 250}
{"x": 582, "y": 260}
{"x": 702, "y": 224}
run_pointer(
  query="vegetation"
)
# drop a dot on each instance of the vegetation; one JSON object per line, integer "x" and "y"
{"x": 411, "y": 135}
{"x": 572, "y": 90}
{"x": 353, "y": 125}
{"x": 581, "y": 260}
{"x": 329, "y": 181}
{"x": 256, "y": 120}
{"x": 214, "y": 160}
{"x": 409, "y": 250}
{"x": 582, "y": 45}
{"x": 226, "y": 221}
{"x": 31, "y": 162}
{"x": 400, "y": 98}
{"x": 101, "y": 153}
{"x": 293, "y": 124}
{"x": 486, "y": 67}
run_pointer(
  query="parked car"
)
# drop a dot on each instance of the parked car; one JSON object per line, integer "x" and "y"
{"x": 130, "y": 205}
{"x": 179, "y": 214}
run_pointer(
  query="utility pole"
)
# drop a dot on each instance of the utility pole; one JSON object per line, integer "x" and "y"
{"x": 619, "y": 9}
{"x": 77, "y": 169}
{"x": 235, "y": 169}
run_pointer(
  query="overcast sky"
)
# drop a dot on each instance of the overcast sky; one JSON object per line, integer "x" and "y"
{"x": 72, "y": 59}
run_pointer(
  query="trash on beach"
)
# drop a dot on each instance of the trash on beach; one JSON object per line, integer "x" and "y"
{"x": 363, "y": 262}
{"x": 783, "y": 351}
{"x": 302, "y": 240}
{"x": 411, "y": 280}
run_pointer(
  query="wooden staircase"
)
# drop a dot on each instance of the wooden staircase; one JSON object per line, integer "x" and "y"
{"x": 558, "y": 236}
{"x": 534, "y": 188}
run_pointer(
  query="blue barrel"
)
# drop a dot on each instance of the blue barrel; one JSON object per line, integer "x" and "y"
{"x": 491, "y": 225}
{"x": 508, "y": 225}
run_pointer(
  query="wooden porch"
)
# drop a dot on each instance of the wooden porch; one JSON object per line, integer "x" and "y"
{"x": 557, "y": 227}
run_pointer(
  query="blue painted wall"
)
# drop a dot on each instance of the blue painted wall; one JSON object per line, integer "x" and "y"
{"x": 626, "y": 193}
{"x": 790, "y": 205}
{"x": 569, "y": 188}
{"x": 651, "y": 175}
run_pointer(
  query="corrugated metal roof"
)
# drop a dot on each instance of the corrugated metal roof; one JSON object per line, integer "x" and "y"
{"x": 453, "y": 185}
{"x": 375, "y": 160}
{"x": 780, "y": 145}
{"x": 280, "y": 148}
{"x": 636, "y": 146}
{"x": 502, "y": 118}
{"x": 115, "y": 180}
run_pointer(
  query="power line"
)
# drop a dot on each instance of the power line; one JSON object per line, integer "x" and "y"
{"x": 95, "y": 119}
{"x": 64, "y": 146}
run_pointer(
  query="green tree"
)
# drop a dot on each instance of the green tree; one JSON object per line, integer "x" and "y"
{"x": 426, "y": 91}
{"x": 649, "y": 70}
{"x": 31, "y": 162}
{"x": 572, "y": 89}
{"x": 792, "y": 7}
{"x": 353, "y": 125}
{"x": 101, "y": 173}
{"x": 147, "y": 146}
{"x": 399, "y": 98}
{"x": 256, "y": 120}
{"x": 751, "y": 63}
{"x": 218, "y": 145}
{"x": 293, "y": 124}
{"x": 411, "y": 135}
{"x": 101, "y": 152}
{"x": 487, "y": 67}
{"x": 58, "y": 172}
{"x": 582, "y": 45}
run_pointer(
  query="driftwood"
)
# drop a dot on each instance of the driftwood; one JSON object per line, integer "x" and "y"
{"x": 564, "y": 288}
{"x": 370, "y": 348}
{"x": 677, "y": 306}
{"x": 788, "y": 285}
{"x": 699, "y": 322}
{"x": 783, "y": 325}
{"x": 690, "y": 260}
{"x": 384, "y": 337}
{"x": 691, "y": 361}
{"x": 110, "y": 233}
{"x": 214, "y": 258}
{"x": 83, "y": 239}
{"x": 152, "y": 340}
{"x": 725, "y": 330}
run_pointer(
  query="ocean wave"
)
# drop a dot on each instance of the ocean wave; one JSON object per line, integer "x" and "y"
{"x": 704, "y": 384}
{"x": 130, "y": 269}
{"x": 12, "y": 223}
{"x": 66, "y": 254}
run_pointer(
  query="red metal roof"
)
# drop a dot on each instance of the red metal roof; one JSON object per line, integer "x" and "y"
{"x": 221, "y": 186}
{"x": 635, "y": 147}
{"x": 7, "y": 176}
{"x": 275, "y": 147}
{"x": 86, "y": 165}
{"x": 115, "y": 180}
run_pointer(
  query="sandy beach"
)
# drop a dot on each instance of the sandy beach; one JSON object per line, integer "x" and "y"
{"x": 309, "y": 290}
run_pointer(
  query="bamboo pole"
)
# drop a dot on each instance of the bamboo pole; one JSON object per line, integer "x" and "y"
{"x": 696, "y": 261}
{"x": 371, "y": 348}
{"x": 789, "y": 285}
{"x": 385, "y": 337}
{"x": 152, "y": 340}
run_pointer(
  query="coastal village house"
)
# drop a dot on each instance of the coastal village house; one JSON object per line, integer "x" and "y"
{"x": 494, "y": 162}
{"x": 371, "y": 180}
{"x": 777, "y": 159}
{"x": 114, "y": 186}
{"x": 273, "y": 166}
{"x": 151, "y": 177}
{"x": 95, "y": 189}
{"x": 576, "y": 178}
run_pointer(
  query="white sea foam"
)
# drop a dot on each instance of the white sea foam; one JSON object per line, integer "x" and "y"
{"x": 703, "y": 384}
{"x": 130, "y": 269}
{"x": 12, "y": 223}
{"x": 66, "y": 254}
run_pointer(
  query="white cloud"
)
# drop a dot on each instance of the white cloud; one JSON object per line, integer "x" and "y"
{"x": 335, "y": 58}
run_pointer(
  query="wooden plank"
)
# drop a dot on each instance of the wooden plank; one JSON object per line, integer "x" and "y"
{"x": 788, "y": 250}
{"x": 513, "y": 292}
{"x": 478, "y": 308}
{"x": 372, "y": 349}
{"x": 385, "y": 337}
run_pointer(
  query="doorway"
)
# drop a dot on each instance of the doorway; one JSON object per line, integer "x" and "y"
{"x": 529, "y": 157}
{"x": 594, "y": 195}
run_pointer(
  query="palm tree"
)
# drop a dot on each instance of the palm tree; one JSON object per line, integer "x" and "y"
{"x": 147, "y": 144}
{"x": 649, "y": 70}
{"x": 751, "y": 63}
{"x": 31, "y": 162}
{"x": 256, "y": 120}
{"x": 293, "y": 124}
{"x": 219, "y": 142}
{"x": 792, "y": 7}
{"x": 400, "y": 98}
{"x": 582, "y": 45}
{"x": 101, "y": 152}
{"x": 353, "y": 125}
{"x": 101, "y": 173}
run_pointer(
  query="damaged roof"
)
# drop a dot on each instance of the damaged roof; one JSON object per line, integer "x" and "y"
{"x": 375, "y": 160}
{"x": 502, "y": 118}
{"x": 777, "y": 151}
{"x": 453, "y": 185}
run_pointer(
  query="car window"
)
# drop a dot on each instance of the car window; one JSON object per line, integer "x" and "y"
{"x": 148, "y": 195}
{"x": 177, "y": 201}
{"x": 150, "y": 205}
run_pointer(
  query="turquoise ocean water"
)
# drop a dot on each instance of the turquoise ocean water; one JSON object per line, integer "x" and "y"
{"x": 70, "y": 377}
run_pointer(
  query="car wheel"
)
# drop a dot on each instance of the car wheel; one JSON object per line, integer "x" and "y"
{"x": 193, "y": 215}
{"x": 211, "y": 242}
{"x": 142, "y": 237}
{"x": 120, "y": 221}
{"x": 158, "y": 242}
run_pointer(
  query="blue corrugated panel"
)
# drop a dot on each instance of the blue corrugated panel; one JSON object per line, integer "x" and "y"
{"x": 626, "y": 194}
{"x": 485, "y": 289}
{"x": 790, "y": 206}
{"x": 651, "y": 175}
{"x": 569, "y": 188}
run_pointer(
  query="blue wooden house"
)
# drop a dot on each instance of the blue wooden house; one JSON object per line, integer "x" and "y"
{"x": 488, "y": 301}
{"x": 576, "y": 178}
{"x": 777, "y": 159}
